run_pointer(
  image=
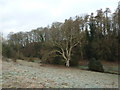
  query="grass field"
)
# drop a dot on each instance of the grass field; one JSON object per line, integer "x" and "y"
{"x": 23, "y": 74}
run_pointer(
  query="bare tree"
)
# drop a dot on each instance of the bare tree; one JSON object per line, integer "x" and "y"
{"x": 65, "y": 38}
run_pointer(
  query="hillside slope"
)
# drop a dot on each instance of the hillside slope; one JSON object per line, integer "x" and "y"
{"x": 33, "y": 75}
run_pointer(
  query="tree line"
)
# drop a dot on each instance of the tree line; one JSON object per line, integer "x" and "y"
{"x": 81, "y": 37}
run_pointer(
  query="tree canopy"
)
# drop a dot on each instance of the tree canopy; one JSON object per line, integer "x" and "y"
{"x": 81, "y": 37}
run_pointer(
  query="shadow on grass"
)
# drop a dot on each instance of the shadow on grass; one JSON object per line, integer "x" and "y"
{"x": 107, "y": 69}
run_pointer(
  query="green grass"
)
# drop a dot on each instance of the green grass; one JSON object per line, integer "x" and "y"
{"x": 111, "y": 69}
{"x": 85, "y": 67}
{"x": 107, "y": 69}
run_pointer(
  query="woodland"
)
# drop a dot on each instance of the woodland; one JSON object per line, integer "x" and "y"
{"x": 67, "y": 43}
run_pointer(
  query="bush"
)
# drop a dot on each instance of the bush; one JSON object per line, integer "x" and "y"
{"x": 74, "y": 62}
{"x": 6, "y": 50}
{"x": 58, "y": 60}
{"x": 31, "y": 59}
{"x": 95, "y": 65}
{"x": 75, "y": 57}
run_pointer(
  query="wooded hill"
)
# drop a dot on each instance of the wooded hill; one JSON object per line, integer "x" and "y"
{"x": 82, "y": 37}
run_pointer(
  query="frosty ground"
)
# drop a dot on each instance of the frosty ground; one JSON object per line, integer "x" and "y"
{"x": 23, "y": 74}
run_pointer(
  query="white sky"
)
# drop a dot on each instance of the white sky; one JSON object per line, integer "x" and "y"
{"x": 25, "y": 15}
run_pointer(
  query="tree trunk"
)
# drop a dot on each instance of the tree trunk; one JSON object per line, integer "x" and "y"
{"x": 68, "y": 63}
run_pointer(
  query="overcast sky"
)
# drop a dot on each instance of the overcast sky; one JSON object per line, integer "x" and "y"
{"x": 25, "y": 15}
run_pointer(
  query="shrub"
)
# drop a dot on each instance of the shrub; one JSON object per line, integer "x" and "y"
{"x": 95, "y": 65}
{"x": 74, "y": 62}
{"x": 75, "y": 57}
{"x": 31, "y": 59}
{"x": 58, "y": 60}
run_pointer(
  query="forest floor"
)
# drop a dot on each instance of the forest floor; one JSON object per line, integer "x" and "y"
{"x": 23, "y": 74}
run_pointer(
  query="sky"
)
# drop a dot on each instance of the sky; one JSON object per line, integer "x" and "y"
{"x": 25, "y": 15}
